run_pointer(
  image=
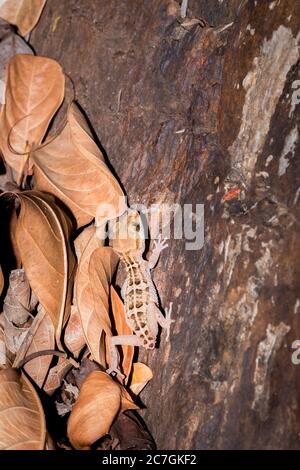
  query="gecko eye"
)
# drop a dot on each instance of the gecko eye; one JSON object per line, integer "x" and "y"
{"x": 137, "y": 227}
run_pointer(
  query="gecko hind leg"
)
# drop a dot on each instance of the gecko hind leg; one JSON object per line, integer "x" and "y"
{"x": 114, "y": 341}
{"x": 165, "y": 322}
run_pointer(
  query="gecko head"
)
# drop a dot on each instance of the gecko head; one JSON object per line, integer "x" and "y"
{"x": 127, "y": 233}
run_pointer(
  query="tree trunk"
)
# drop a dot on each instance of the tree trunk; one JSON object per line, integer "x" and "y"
{"x": 190, "y": 114}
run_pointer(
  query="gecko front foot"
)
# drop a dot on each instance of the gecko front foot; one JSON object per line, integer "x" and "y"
{"x": 114, "y": 371}
{"x": 168, "y": 320}
{"x": 160, "y": 244}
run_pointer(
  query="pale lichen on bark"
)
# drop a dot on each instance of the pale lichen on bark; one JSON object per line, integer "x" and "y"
{"x": 264, "y": 85}
{"x": 266, "y": 352}
{"x": 288, "y": 150}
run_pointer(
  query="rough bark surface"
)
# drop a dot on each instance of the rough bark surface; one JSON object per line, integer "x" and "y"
{"x": 226, "y": 379}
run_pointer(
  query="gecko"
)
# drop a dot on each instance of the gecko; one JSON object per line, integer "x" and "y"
{"x": 140, "y": 297}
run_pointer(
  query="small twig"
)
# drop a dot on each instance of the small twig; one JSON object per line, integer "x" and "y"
{"x": 9, "y": 145}
{"x": 48, "y": 352}
{"x": 223, "y": 28}
{"x": 119, "y": 101}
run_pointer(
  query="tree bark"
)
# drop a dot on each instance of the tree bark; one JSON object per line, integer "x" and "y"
{"x": 226, "y": 379}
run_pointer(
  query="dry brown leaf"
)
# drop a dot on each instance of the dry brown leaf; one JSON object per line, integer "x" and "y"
{"x": 22, "y": 13}
{"x": 16, "y": 310}
{"x": 141, "y": 375}
{"x": 85, "y": 244}
{"x": 122, "y": 328}
{"x": 40, "y": 337}
{"x": 100, "y": 400}
{"x": 68, "y": 395}
{"x": 92, "y": 285}
{"x": 22, "y": 424}
{"x": 6, "y": 357}
{"x": 74, "y": 338}
{"x": 72, "y": 168}
{"x": 56, "y": 375}
{"x": 34, "y": 92}
{"x": 14, "y": 335}
{"x": 12, "y": 230}
{"x": 42, "y": 236}
{"x": 17, "y": 302}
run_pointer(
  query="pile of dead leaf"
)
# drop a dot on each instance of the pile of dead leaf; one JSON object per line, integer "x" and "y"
{"x": 58, "y": 304}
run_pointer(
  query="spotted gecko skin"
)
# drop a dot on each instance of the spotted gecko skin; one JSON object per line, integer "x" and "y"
{"x": 138, "y": 292}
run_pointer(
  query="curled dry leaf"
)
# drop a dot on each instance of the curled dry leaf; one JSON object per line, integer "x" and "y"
{"x": 6, "y": 357}
{"x": 72, "y": 168}
{"x": 16, "y": 310}
{"x": 56, "y": 375}
{"x": 17, "y": 303}
{"x": 74, "y": 338}
{"x": 22, "y": 425}
{"x": 42, "y": 235}
{"x": 122, "y": 328}
{"x": 100, "y": 400}
{"x": 34, "y": 92}
{"x": 63, "y": 408}
{"x": 141, "y": 375}
{"x": 85, "y": 244}
{"x": 12, "y": 230}
{"x": 14, "y": 335}
{"x": 69, "y": 394}
{"x": 92, "y": 284}
{"x": 22, "y": 13}
{"x": 40, "y": 337}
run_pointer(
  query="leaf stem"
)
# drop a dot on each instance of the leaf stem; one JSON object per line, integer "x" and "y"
{"x": 48, "y": 352}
